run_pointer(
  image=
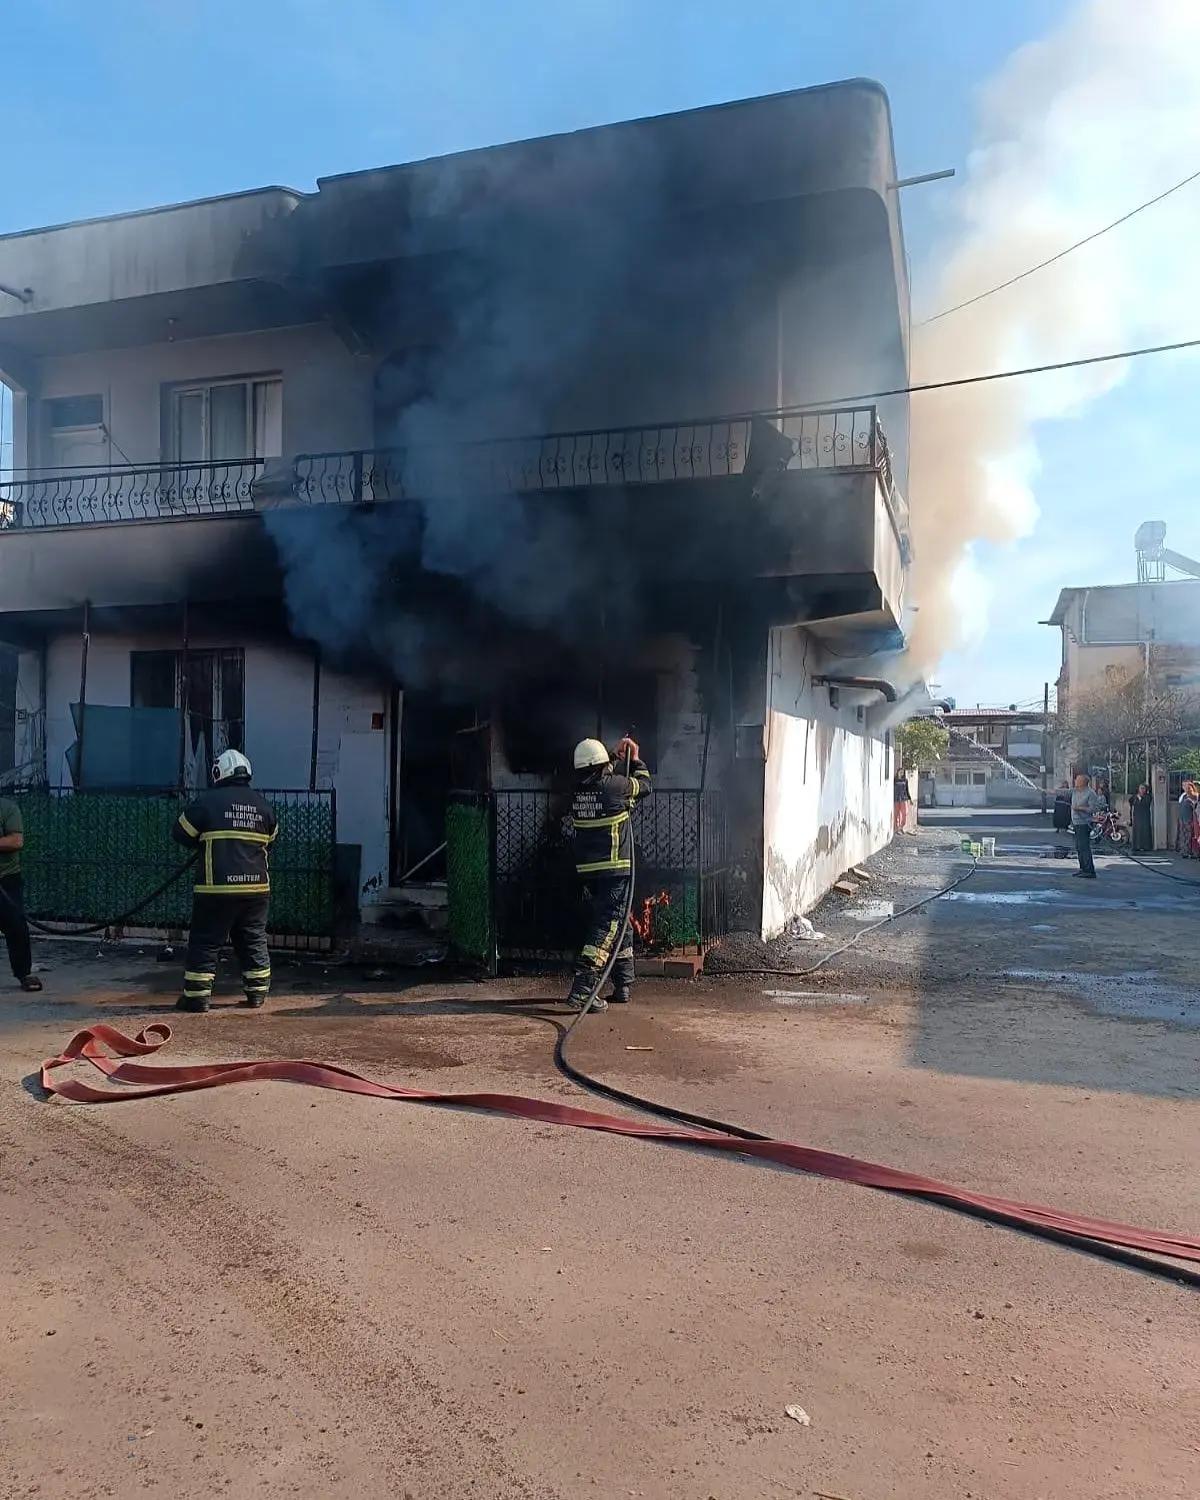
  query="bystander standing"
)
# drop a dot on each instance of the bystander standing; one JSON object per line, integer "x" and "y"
{"x": 12, "y": 896}
{"x": 1085, "y": 804}
{"x": 1141, "y": 819}
{"x": 1187, "y": 814}
{"x": 901, "y": 800}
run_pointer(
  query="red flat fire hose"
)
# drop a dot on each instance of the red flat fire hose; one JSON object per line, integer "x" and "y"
{"x": 108, "y": 1051}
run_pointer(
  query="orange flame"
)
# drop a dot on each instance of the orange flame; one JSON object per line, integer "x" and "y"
{"x": 644, "y": 925}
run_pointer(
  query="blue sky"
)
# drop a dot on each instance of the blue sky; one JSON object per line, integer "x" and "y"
{"x": 130, "y": 103}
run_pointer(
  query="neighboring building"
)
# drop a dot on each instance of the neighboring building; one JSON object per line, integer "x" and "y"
{"x": 994, "y": 759}
{"x": 275, "y": 486}
{"x": 1131, "y": 629}
{"x": 1116, "y": 632}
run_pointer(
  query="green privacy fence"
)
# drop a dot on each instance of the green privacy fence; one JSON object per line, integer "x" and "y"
{"x": 91, "y": 855}
{"x": 470, "y": 876}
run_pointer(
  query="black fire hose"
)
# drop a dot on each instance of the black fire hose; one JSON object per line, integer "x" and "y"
{"x": 111, "y": 921}
{"x": 1132, "y": 1259}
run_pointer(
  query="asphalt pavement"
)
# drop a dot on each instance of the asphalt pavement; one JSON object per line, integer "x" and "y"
{"x": 271, "y": 1291}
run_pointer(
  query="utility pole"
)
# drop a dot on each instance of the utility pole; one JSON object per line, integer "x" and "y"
{"x": 1045, "y": 740}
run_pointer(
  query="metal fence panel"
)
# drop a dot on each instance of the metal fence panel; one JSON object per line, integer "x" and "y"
{"x": 91, "y": 855}
{"x": 302, "y": 868}
{"x": 679, "y": 838}
{"x": 538, "y": 905}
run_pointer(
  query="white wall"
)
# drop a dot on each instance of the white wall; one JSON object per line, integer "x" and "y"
{"x": 352, "y": 755}
{"x": 327, "y": 391}
{"x": 828, "y": 788}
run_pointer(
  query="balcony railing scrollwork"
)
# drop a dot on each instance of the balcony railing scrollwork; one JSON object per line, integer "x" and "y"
{"x": 847, "y": 439}
{"x": 137, "y": 492}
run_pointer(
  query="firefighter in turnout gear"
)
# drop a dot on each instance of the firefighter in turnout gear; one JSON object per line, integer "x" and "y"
{"x": 603, "y": 837}
{"x": 233, "y": 826}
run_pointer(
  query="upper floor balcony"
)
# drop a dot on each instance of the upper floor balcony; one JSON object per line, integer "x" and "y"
{"x": 846, "y": 440}
{"x": 50, "y": 498}
{"x": 805, "y": 498}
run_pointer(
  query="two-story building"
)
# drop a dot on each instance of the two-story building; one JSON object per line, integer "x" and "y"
{"x": 996, "y": 757}
{"x": 1129, "y": 630}
{"x": 406, "y": 484}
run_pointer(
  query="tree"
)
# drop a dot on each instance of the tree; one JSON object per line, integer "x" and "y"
{"x": 1129, "y": 709}
{"x": 920, "y": 742}
{"x": 1187, "y": 761}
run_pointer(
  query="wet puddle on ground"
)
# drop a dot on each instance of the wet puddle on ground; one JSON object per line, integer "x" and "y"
{"x": 1069, "y": 899}
{"x": 871, "y": 911}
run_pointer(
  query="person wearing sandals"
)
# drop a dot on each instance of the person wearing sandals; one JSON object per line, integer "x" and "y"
{"x": 12, "y": 900}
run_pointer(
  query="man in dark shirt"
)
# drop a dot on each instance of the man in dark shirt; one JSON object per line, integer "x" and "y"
{"x": 12, "y": 896}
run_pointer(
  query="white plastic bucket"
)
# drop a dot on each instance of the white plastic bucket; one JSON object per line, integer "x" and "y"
{"x": 989, "y": 848}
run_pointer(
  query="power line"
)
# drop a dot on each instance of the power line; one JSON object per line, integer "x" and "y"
{"x": 1042, "y": 264}
{"x": 942, "y": 385}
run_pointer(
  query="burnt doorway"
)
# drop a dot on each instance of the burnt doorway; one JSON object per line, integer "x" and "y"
{"x": 435, "y": 737}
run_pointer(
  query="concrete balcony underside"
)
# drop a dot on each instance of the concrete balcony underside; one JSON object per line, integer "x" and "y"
{"x": 809, "y": 548}
{"x": 115, "y": 283}
{"x": 215, "y": 560}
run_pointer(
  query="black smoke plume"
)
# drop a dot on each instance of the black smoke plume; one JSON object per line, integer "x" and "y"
{"x": 556, "y": 285}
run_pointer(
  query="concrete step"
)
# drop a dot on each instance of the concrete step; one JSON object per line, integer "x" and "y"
{"x": 432, "y": 893}
{"x": 424, "y": 904}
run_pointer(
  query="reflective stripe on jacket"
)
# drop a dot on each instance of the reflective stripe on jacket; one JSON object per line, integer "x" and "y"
{"x": 600, "y": 812}
{"x": 234, "y": 826}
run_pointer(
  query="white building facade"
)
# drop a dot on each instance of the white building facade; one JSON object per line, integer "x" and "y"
{"x": 189, "y": 381}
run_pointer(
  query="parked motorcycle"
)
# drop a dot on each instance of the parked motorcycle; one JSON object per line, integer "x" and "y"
{"x": 1107, "y": 830}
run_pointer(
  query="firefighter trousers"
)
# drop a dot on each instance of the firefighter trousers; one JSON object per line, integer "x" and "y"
{"x": 240, "y": 921}
{"x": 606, "y": 901}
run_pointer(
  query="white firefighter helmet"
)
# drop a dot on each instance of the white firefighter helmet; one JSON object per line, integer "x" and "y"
{"x": 230, "y": 763}
{"x": 590, "y": 753}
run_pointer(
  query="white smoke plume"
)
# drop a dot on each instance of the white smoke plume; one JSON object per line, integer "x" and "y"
{"x": 1076, "y": 128}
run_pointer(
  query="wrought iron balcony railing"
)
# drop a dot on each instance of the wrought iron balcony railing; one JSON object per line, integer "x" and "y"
{"x": 140, "y": 492}
{"x": 849, "y": 439}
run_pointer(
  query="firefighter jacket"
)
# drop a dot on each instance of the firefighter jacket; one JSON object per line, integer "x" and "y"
{"x": 233, "y": 826}
{"x": 600, "y": 811}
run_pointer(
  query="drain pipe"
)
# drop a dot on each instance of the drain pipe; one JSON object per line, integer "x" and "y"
{"x": 866, "y": 684}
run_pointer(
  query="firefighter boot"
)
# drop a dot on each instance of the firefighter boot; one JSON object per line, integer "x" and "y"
{"x": 197, "y": 990}
{"x": 622, "y": 976}
{"x": 581, "y": 987}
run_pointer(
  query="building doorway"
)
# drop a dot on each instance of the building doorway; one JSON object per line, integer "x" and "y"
{"x": 434, "y": 743}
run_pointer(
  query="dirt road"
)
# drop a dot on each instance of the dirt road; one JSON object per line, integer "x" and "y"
{"x": 268, "y": 1291}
